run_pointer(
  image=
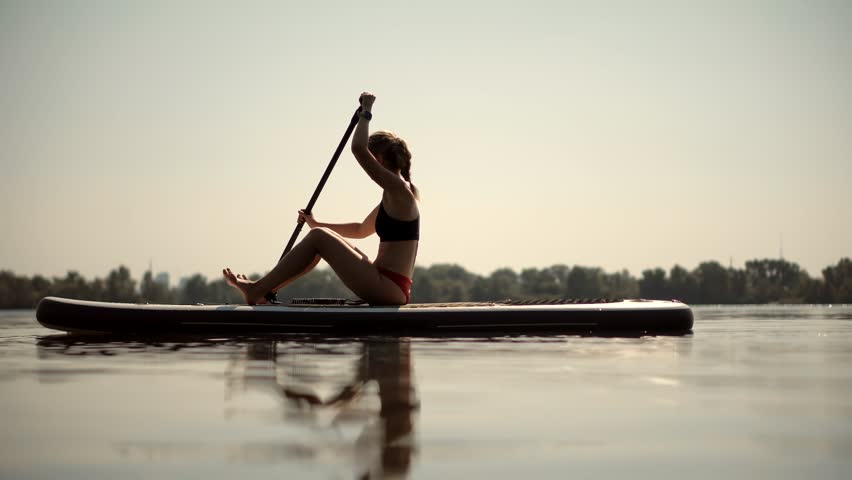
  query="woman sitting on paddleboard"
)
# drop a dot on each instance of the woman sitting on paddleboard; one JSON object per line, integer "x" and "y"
{"x": 387, "y": 279}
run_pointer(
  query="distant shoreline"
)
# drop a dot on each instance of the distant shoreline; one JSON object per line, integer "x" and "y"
{"x": 760, "y": 282}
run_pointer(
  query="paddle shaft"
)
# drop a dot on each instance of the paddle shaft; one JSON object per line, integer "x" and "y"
{"x": 270, "y": 296}
{"x": 322, "y": 181}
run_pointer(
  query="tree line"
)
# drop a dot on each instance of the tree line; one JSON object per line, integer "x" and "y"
{"x": 759, "y": 281}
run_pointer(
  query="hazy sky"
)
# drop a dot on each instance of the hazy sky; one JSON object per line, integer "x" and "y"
{"x": 617, "y": 134}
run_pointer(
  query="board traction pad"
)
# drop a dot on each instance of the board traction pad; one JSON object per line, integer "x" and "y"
{"x": 343, "y": 302}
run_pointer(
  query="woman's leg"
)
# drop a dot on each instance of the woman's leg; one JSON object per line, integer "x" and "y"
{"x": 289, "y": 281}
{"x": 298, "y": 276}
{"x": 351, "y": 265}
{"x": 367, "y": 283}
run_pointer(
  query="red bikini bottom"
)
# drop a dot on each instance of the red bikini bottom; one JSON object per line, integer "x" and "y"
{"x": 403, "y": 282}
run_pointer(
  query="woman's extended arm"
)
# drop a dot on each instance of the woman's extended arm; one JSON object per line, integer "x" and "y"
{"x": 385, "y": 178}
{"x": 349, "y": 230}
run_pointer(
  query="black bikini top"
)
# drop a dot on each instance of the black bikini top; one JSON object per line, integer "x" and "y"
{"x": 390, "y": 229}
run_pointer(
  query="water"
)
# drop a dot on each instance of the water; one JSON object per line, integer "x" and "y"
{"x": 756, "y": 392}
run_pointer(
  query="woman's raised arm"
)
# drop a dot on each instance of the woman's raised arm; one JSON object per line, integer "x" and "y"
{"x": 385, "y": 178}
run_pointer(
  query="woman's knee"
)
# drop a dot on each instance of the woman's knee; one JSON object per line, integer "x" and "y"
{"x": 319, "y": 234}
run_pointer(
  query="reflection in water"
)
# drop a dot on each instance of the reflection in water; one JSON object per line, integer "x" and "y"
{"x": 756, "y": 392}
{"x": 368, "y": 384}
{"x": 385, "y": 365}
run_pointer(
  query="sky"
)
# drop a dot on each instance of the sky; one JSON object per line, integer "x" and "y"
{"x": 615, "y": 134}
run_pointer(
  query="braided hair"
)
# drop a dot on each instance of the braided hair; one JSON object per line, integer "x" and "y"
{"x": 395, "y": 154}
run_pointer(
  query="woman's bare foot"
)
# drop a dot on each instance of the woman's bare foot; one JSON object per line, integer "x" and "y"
{"x": 244, "y": 285}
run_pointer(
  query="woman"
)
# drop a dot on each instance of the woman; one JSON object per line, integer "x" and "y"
{"x": 387, "y": 279}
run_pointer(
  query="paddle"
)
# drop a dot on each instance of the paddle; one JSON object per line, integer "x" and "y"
{"x": 270, "y": 296}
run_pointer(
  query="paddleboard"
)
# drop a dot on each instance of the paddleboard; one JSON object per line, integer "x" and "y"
{"x": 335, "y": 317}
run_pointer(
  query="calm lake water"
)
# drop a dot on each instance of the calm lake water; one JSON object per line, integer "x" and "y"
{"x": 755, "y": 392}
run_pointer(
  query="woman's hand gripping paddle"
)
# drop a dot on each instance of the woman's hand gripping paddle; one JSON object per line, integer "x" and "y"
{"x": 270, "y": 296}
